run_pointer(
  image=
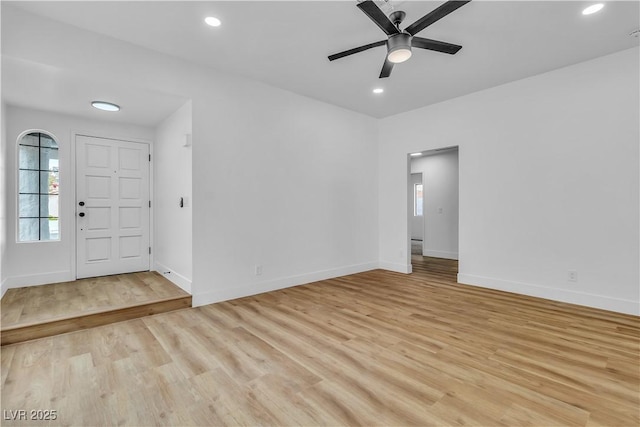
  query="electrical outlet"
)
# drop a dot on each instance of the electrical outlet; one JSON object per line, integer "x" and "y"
{"x": 572, "y": 276}
{"x": 258, "y": 270}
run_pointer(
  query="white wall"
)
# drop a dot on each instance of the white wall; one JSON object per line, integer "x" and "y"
{"x": 440, "y": 179}
{"x": 3, "y": 195}
{"x": 416, "y": 222}
{"x": 32, "y": 263}
{"x": 279, "y": 180}
{"x": 172, "y": 180}
{"x": 548, "y": 182}
{"x": 283, "y": 182}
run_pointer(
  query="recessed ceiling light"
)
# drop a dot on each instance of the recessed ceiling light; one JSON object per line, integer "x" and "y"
{"x": 105, "y": 106}
{"x": 213, "y": 21}
{"x": 378, "y": 90}
{"x": 416, "y": 154}
{"x": 592, "y": 9}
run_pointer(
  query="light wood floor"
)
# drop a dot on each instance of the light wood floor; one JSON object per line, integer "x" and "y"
{"x": 376, "y": 348}
{"x": 47, "y": 310}
{"x": 22, "y": 306}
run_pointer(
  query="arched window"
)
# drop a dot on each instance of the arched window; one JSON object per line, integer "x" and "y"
{"x": 38, "y": 188}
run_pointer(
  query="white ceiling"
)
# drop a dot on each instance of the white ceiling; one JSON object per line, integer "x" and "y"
{"x": 286, "y": 43}
{"x": 49, "y": 88}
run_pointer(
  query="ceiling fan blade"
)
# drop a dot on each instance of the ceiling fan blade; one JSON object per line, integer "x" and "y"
{"x": 433, "y": 16}
{"x": 356, "y": 50}
{"x": 387, "y": 67}
{"x": 376, "y": 15}
{"x": 436, "y": 45}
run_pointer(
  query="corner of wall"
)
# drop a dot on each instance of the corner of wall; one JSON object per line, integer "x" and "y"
{"x": 36, "y": 279}
{"x": 280, "y": 283}
{"x": 173, "y": 276}
{"x": 398, "y": 268}
{"x": 3, "y": 193}
{"x": 172, "y": 223}
{"x": 3, "y": 288}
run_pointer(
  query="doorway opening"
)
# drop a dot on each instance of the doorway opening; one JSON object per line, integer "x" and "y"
{"x": 433, "y": 220}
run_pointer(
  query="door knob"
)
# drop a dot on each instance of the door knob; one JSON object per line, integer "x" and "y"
{"x": 81, "y": 203}
{"x": 81, "y": 214}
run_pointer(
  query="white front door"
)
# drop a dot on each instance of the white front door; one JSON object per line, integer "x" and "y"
{"x": 112, "y": 206}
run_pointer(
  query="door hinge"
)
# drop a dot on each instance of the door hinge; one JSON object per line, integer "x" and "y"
{"x": 149, "y": 250}
{"x": 149, "y": 203}
{"x": 149, "y": 157}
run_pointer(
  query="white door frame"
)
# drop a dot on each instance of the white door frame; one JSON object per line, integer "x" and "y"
{"x": 410, "y": 201}
{"x": 73, "y": 196}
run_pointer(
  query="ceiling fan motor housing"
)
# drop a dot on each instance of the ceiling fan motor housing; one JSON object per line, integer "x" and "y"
{"x": 400, "y": 41}
{"x": 397, "y": 17}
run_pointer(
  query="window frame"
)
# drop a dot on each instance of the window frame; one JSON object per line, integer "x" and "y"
{"x": 17, "y": 188}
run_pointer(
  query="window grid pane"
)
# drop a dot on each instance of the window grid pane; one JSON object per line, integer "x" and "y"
{"x": 38, "y": 188}
{"x": 28, "y": 229}
{"x": 31, "y": 139}
{"x": 29, "y": 157}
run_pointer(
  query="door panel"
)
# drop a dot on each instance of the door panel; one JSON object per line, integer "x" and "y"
{"x": 98, "y": 249}
{"x": 98, "y": 218}
{"x": 112, "y": 191}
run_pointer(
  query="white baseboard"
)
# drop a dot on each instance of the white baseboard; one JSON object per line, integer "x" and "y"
{"x": 176, "y": 278}
{"x": 440, "y": 254}
{"x": 398, "y": 268}
{"x": 562, "y": 295}
{"x": 272, "y": 285}
{"x": 36, "y": 279}
{"x": 3, "y": 287}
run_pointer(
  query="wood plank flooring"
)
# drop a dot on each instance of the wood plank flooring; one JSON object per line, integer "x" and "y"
{"x": 40, "y": 311}
{"x": 376, "y": 348}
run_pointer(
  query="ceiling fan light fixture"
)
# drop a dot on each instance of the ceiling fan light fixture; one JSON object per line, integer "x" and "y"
{"x": 105, "y": 106}
{"x": 399, "y": 55}
{"x": 399, "y": 48}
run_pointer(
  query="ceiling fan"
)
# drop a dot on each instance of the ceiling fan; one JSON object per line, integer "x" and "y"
{"x": 399, "y": 42}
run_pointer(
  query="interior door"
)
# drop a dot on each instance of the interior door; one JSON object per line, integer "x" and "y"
{"x": 112, "y": 206}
